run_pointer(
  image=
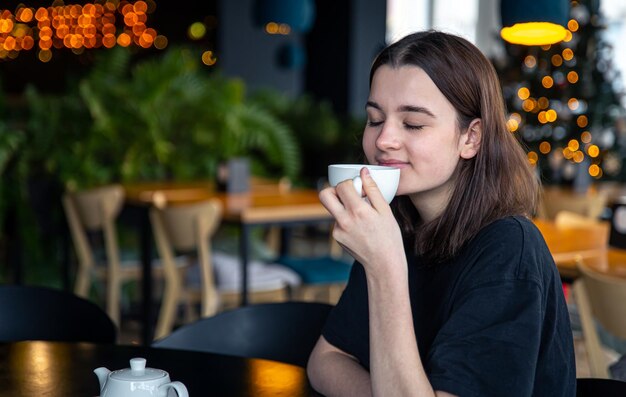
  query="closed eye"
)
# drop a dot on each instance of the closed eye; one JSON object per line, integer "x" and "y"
{"x": 413, "y": 127}
{"x": 372, "y": 123}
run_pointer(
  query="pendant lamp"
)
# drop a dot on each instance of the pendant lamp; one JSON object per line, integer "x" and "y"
{"x": 534, "y": 22}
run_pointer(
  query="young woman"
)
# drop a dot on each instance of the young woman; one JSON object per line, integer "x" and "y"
{"x": 453, "y": 291}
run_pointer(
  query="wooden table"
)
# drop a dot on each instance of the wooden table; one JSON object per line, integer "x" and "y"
{"x": 569, "y": 245}
{"x": 35, "y": 369}
{"x": 264, "y": 205}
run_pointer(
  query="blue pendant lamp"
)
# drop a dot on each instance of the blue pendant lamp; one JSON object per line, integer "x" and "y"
{"x": 297, "y": 14}
{"x": 534, "y": 22}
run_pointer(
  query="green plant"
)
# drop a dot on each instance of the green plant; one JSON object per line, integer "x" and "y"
{"x": 155, "y": 119}
{"x": 327, "y": 137}
{"x": 174, "y": 120}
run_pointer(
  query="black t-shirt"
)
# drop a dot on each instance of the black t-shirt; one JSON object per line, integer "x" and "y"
{"x": 492, "y": 322}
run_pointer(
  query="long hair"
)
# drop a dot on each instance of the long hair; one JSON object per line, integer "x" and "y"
{"x": 495, "y": 183}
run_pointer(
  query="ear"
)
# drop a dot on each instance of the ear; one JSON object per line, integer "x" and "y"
{"x": 470, "y": 141}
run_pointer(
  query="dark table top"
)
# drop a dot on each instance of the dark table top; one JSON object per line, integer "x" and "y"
{"x": 66, "y": 369}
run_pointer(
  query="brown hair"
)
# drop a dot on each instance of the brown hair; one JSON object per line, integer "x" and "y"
{"x": 498, "y": 181}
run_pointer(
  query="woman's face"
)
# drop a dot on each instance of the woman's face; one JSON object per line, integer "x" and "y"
{"x": 412, "y": 126}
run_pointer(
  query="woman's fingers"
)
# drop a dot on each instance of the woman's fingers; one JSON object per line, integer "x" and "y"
{"x": 371, "y": 190}
{"x": 330, "y": 200}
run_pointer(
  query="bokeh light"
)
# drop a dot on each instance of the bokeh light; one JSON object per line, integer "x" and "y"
{"x": 585, "y": 137}
{"x": 208, "y": 58}
{"x": 196, "y": 31}
{"x": 523, "y": 93}
{"x": 595, "y": 170}
{"x": 530, "y": 61}
{"x": 77, "y": 27}
{"x": 545, "y": 147}
{"x": 547, "y": 82}
{"x": 593, "y": 151}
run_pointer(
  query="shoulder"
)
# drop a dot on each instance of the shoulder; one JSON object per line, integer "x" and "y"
{"x": 513, "y": 235}
{"x": 511, "y": 228}
{"x": 508, "y": 248}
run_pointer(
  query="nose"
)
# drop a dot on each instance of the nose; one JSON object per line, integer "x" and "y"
{"x": 388, "y": 138}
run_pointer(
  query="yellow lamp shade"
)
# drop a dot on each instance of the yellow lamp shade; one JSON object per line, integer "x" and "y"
{"x": 534, "y": 22}
{"x": 534, "y": 33}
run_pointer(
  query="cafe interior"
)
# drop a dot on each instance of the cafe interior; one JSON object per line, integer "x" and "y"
{"x": 161, "y": 163}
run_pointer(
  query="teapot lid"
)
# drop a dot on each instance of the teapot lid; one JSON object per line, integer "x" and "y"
{"x": 138, "y": 372}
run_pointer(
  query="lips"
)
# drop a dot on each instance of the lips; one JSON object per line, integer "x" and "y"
{"x": 393, "y": 163}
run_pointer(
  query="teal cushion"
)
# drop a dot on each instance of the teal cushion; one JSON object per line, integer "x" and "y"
{"x": 318, "y": 270}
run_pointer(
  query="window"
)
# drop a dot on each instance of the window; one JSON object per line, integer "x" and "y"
{"x": 453, "y": 16}
{"x": 614, "y": 12}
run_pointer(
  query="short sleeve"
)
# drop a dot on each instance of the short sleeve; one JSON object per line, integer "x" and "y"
{"x": 490, "y": 343}
{"x": 347, "y": 325}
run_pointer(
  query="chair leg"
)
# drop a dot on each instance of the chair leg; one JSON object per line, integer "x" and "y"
{"x": 81, "y": 287}
{"x": 334, "y": 293}
{"x": 167, "y": 314}
{"x": 597, "y": 361}
{"x": 307, "y": 293}
{"x": 113, "y": 299}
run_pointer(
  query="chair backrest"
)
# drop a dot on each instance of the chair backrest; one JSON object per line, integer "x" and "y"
{"x": 607, "y": 297}
{"x": 189, "y": 228}
{"x": 565, "y": 218}
{"x": 600, "y": 297}
{"x": 285, "y": 332}
{"x": 40, "y": 313}
{"x": 555, "y": 199}
{"x": 570, "y": 220}
{"x": 594, "y": 387}
{"x": 95, "y": 206}
{"x": 94, "y": 210}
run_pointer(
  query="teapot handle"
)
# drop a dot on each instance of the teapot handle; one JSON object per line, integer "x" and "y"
{"x": 181, "y": 390}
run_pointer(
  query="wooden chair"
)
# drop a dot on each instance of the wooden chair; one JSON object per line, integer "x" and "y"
{"x": 324, "y": 277}
{"x": 569, "y": 219}
{"x": 260, "y": 185}
{"x": 285, "y": 332}
{"x": 95, "y": 211}
{"x": 555, "y": 199}
{"x": 184, "y": 228}
{"x": 40, "y": 313}
{"x": 600, "y": 297}
{"x": 189, "y": 229}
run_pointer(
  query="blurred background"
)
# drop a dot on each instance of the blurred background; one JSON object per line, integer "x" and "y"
{"x": 102, "y": 92}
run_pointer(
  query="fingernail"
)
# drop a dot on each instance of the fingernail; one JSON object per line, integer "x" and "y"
{"x": 366, "y": 171}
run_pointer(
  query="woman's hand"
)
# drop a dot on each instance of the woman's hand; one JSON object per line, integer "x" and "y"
{"x": 368, "y": 231}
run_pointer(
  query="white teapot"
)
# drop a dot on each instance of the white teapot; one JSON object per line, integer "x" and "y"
{"x": 138, "y": 381}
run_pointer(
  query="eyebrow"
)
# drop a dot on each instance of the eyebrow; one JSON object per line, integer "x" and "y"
{"x": 403, "y": 108}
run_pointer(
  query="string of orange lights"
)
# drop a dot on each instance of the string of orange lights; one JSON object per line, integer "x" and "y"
{"x": 77, "y": 27}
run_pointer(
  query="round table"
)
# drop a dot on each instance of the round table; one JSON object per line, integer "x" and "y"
{"x": 66, "y": 369}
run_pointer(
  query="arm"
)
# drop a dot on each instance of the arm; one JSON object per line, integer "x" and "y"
{"x": 395, "y": 365}
{"x": 333, "y": 372}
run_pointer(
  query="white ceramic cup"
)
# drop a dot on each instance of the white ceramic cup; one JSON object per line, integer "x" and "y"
{"x": 386, "y": 178}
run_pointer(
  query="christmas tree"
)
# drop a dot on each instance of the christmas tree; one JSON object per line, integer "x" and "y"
{"x": 563, "y": 104}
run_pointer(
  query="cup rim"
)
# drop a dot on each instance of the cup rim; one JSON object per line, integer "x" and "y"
{"x": 359, "y": 166}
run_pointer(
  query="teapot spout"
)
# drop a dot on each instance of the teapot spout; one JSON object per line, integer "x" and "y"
{"x": 102, "y": 374}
